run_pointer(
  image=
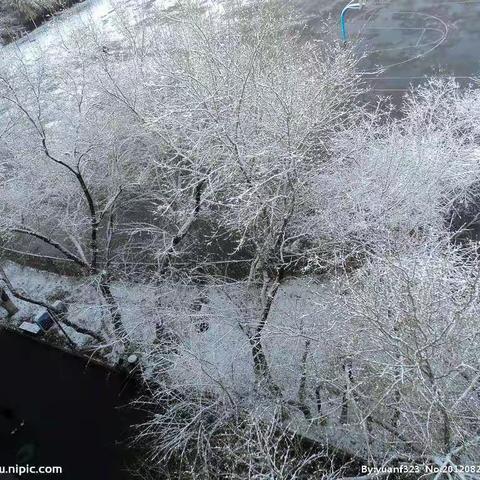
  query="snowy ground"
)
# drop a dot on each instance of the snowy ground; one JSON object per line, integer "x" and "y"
{"x": 85, "y": 306}
{"x": 298, "y": 314}
{"x": 103, "y": 14}
{"x": 403, "y": 40}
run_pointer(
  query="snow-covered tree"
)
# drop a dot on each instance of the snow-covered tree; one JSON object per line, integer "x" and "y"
{"x": 414, "y": 370}
{"x": 248, "y": 109}
{"x": 137, "y": 159}
{"x": 66, "y": 172}
{"x": 400, "y": 180}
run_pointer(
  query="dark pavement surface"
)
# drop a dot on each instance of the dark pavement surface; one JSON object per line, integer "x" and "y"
{"x": 406, "y": 40}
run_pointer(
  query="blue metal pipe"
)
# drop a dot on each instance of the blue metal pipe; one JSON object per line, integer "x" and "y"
{"x": 343, "y": 23}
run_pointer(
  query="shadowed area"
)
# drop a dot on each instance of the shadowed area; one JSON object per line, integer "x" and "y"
{"x": 56, "y": 410}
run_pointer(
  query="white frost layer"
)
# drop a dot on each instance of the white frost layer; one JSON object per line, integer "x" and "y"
{"x": 85, "y": 306}
{"x": 103, "y": 15}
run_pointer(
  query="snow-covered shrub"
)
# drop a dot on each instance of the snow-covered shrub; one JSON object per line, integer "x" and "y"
{"x": 413, "y": 367}
{"x": 31, "y": 9}
{"x": 399, "y": 180}
{"x": 194, "y": 435}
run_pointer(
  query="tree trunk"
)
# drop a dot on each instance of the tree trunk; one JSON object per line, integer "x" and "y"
{"x": 302, "y": 389}
{"x": 347, "y": 368}
{"x": 261, "y": 368}
{"x": 118, "y": 327}
{"x": 185, "y": 227}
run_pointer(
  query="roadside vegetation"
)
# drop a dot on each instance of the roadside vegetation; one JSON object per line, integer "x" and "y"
{"x": 18, "y": 16}
{"x": 296, "y": 270}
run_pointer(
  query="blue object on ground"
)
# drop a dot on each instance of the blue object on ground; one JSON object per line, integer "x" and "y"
{"x": 44, "y": 321}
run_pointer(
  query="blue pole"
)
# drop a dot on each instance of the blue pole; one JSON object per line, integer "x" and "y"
{"x": 343, "y": 23}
